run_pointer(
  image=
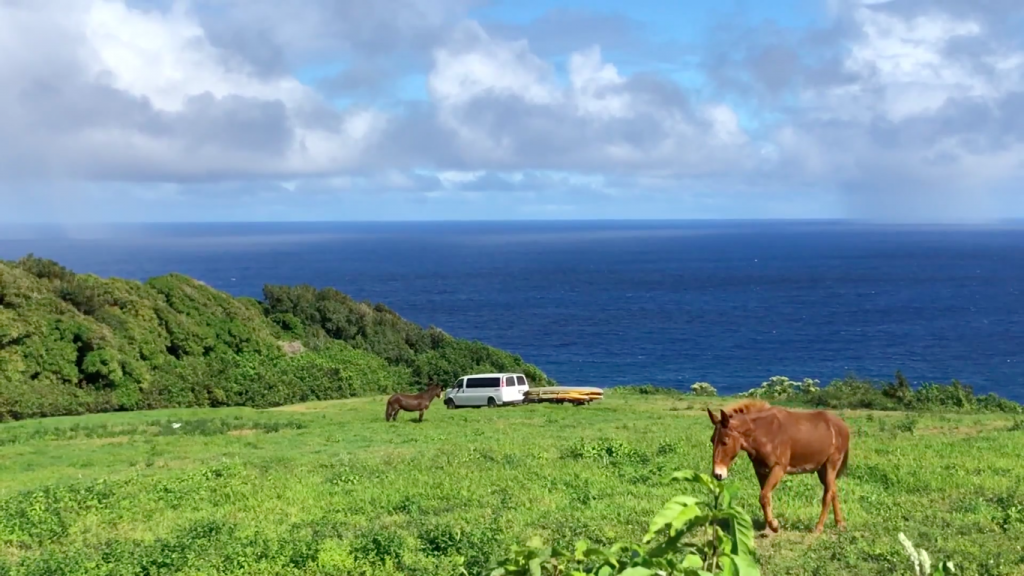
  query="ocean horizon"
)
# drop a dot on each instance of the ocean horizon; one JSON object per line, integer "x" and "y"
{"x": 605, "y": 303}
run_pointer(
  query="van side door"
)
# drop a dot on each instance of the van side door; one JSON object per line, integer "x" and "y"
{"x": 474, "y": 395}
{"x": 510, "y": 393}
{"x": 458, "y": 392}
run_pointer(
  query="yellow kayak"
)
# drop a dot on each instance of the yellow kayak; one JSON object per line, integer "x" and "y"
{"x": 574, "y": 394}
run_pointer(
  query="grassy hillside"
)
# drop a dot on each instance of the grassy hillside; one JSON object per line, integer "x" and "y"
{"x": 76, "y": 343}
{"x": 330, "y": 488}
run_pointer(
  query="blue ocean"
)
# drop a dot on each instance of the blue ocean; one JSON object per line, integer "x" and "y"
{"x": 605, "y": 303}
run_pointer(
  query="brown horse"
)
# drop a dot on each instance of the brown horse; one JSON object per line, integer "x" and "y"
{"x": 412, "y": 402}
{"x": 780, "y": 442}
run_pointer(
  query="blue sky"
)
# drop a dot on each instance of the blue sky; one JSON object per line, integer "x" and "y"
{"x": 240, "y": 110}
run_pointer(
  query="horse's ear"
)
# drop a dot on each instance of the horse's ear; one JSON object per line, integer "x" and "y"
{"x": 725, "y": 419}
{"x": 714, "y": 418}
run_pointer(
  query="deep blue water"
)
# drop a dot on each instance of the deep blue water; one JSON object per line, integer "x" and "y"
{"x": 608, "y": 303}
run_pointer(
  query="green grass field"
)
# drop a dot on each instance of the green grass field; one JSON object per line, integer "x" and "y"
{"x": 330, "y": 488}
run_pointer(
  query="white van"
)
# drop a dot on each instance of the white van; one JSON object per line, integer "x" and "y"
{"x": 487, "y": 390}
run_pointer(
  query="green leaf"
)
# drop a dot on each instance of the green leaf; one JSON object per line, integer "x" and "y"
{"x": 683, "y": 522}
{"x": 741, "y": 531}
{"x": 697, "y": 478}
{"x": 684, "y": 475}
{"x": 693, "y": 561}
{"x": 678, "y": 507}
{"x": 581, "y": 547}
{"x": 672, "y": 544}
{"x": 728, "y": 567}
{"x": 734, "y": 565}
{"x": 727, "y": 496}
{"x": 637, "y": 571}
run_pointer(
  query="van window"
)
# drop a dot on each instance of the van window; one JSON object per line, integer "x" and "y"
{"x": 510, "y": 381}
{"x": 521, "y": 380}
{"x": 460, "y": 383}
{"x": 486, "y": 382}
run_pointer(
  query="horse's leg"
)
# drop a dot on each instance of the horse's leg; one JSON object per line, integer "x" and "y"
{"x": 826, "y": 497}
{"x": 774, "y": 477}
{"x": 827, "y": 475}
{"x": 836, "y": 511}
{"x": 421, "y": 415}
{"x": 762, "y": 476}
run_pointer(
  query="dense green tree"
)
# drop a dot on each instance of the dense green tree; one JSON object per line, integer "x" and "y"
{"x": 430, "y": 354}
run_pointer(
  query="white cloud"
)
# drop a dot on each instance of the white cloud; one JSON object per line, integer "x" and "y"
{"x": 905, "y": 57}
{"x": 597, "y": 86}
{"x": 919, "y": 131}
{"x": 505, "y": 108}
{"x": 131, "y": 93}
{"x": 474, "y": 65}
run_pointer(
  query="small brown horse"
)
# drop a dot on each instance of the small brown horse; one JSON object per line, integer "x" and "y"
{"x": 780, "y": 442}
{"x": 412, "y": 402}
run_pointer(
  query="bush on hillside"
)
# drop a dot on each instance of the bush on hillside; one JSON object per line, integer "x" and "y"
{"x": 274, "y": 379}
{"x": 319, "y": 316}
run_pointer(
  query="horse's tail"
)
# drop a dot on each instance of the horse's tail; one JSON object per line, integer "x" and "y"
{"x": 842, "y": 466}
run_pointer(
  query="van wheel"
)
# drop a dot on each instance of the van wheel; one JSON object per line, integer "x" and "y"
{"x": 491, "y": 403}
{"x": 450, "y": 404}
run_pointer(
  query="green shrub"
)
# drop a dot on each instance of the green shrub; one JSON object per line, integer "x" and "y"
{"x": 645, "y": 390}
{"x": 703, "y": 389}
{"x": 854, "y": 393}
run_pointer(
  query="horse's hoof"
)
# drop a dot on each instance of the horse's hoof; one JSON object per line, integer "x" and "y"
{"x": 841, "y": 527}
{"x": 817, "y": 530}
{"x": 774, "y": 525}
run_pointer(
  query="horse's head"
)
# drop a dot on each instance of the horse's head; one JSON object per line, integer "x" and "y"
{"x": 435, "y": 391}
{"x": 727, "y": 440}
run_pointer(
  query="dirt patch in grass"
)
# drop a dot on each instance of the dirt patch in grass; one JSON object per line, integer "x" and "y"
{"x": 105, "y": 441}
{"x": 292, "y": 348}
{"x": 968, "y": 430}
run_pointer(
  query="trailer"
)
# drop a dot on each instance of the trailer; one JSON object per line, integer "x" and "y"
{"x": 576, "y": 395}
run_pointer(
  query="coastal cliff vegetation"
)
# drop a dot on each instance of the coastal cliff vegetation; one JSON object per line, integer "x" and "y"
{"x": 78, "y": 343}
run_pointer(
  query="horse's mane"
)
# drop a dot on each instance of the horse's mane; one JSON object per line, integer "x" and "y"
{"x": 746, "y": 406}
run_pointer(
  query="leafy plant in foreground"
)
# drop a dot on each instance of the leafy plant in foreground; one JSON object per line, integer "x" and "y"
{"x": 688, "y": 537}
